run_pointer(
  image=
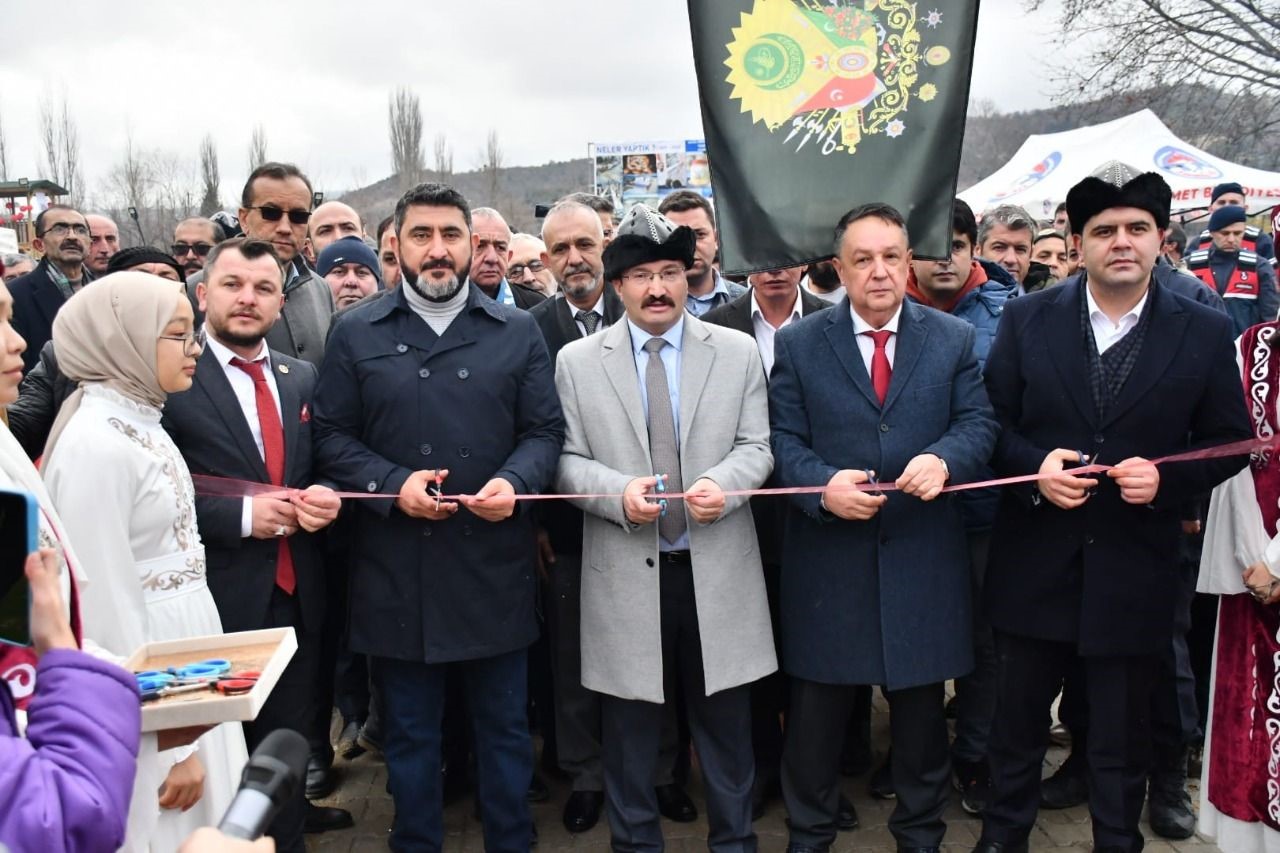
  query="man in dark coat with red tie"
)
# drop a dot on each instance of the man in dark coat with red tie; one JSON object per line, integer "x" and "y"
{"x": 248, "y": 417}
{"x": 875, "y": 587}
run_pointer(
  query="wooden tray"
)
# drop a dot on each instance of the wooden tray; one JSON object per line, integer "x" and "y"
{"x": 268, "y": 652}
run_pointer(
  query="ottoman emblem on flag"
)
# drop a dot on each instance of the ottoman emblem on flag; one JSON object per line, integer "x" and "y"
{"x": 831, "y": 73}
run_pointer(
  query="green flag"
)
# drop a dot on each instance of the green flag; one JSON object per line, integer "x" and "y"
{"x": 812, "y": 107}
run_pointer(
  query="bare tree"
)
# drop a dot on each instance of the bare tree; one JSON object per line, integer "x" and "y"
{"x": 1232, "y": 46}
{"x": 492, "y": 160}
{"x": 49, "y": 144}
{"x": 209, "y": 201}
{"x": 69, "y": 136}
{"x": 404, "y": 120}
{"x": 161, "y": 186}
{"x": 60, "y": 144}
{"x": 443, "y": 158}
{"x": 257, "y": 147}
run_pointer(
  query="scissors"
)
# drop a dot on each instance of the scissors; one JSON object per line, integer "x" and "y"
{"x": 436, "y": 489}
{"x": 661, "y": 488}
{"x": 874, "y": 482}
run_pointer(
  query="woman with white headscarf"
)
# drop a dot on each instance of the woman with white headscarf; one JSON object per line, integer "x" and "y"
{"x": 126, "y": 498}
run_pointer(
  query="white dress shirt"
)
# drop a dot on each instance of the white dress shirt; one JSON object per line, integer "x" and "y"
{"x": 1105, "y": 332}
{"x": 764, "y": 332}
{"x": 866, "y": 345}
{"x": 242, "y": 386}
{"x": 575, "y": 312}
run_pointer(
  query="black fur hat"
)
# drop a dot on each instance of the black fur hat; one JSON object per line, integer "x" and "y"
{"x": 645, "y": 235}
{"x": 1091, "y": 196}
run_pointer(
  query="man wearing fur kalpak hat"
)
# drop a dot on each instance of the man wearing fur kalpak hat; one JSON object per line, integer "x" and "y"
{"x": 1114, "y": 369}
{"x": 675, "y": 588}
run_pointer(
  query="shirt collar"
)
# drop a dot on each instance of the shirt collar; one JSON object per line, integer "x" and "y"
{"x": 1096, "y": 313}
{"x": 225, "y": 355}
{"x": 793, "y": 314}
{"x": 860, "y": 325}
{"x": 719, "y": 288}
{"x": 639, "y": 337}
{"x": 598, "y": 308}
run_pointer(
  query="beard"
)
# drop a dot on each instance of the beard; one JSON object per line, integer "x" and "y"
{"x": 236, "y": 339}
{"x": 432, "y": 291}
{"x": 583, "y": 290}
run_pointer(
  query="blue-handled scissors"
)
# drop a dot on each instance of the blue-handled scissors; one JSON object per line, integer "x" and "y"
{"x": 661, "y": 488}
{"x": 874, "y": 481}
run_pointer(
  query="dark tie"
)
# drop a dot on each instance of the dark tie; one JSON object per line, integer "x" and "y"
{"x": 590, "y": 321}
{"x": 662, "y": 438}
{"x": 881, "y": 372}
{"x": 273, "y": 455}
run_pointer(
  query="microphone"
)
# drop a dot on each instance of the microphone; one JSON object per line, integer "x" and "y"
{"x": 271, "y": 777}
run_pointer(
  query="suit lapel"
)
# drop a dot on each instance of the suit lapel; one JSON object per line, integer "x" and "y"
{"x": 48, "y": 297}
{"x": 1166, "y": 326}
{"x": 290, "y": 412}
{"x": 1064, "y": 339}
{"x": 839, "y": 333}
{"x": 620, "y": 366}
{"x": 569, "y": 330}
{"x": 696, "y": 361}
{"x": 912, "y": 334}
{"x": 213, "y": 382}
{"x": 614, "y": 310}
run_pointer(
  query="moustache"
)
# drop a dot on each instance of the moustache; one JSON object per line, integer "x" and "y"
{"x": 578, "y": 269}
{"x": 71, "y": 244}
{"x": 250, "y": 315}
{"x": 657, "y": 300}
{"x": 444, "y": 264}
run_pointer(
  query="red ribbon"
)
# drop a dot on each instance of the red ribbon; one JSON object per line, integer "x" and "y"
{"x": 223, "y": 487}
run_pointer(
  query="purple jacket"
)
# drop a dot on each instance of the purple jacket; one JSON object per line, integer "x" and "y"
{"x": 66, "y": 785}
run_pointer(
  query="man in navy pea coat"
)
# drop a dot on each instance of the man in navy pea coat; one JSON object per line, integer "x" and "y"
{"x": 439, "y": 382}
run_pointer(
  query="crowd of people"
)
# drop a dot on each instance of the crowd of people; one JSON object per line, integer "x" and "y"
{"x": 660, "y": 608}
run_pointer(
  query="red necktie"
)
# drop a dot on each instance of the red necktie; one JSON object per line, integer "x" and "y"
{"x": 273, "y": 455}
{"x": 881, "y": 372}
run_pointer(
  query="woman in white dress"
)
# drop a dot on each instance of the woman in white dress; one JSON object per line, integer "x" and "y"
{"x": 126, "y": 498}
{"x": 1240, "y": 786}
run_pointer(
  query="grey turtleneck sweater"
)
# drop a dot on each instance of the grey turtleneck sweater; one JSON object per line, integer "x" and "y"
{"x": 438, "y": 315}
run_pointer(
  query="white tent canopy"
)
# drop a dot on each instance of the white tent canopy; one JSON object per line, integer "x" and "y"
{"x": 1047, "y": 165}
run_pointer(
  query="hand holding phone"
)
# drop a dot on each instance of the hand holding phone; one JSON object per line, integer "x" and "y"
{"x": 50, "y": 628}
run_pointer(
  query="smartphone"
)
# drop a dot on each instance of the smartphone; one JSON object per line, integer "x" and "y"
{"x": 19, "y": 533}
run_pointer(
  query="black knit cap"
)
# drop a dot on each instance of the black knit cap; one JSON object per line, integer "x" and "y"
{"x": 127, "y": 259}
{"x": 1228, "y": 187}
{"x": 1091, "y": 196}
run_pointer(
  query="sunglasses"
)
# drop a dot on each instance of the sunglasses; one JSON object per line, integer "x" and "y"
{"x": 271, "y": 213}
{"x": 201, "y": 249}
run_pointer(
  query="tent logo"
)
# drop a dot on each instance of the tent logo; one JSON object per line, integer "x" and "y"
{"x": 1038, "y": 173}
{"x": 1184, "y": 164}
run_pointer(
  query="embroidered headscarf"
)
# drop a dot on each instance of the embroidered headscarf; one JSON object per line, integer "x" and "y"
{"x": 108, "y": 333}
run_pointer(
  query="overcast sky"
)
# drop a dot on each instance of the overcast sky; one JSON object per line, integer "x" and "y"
{"x": 549, "y": 76}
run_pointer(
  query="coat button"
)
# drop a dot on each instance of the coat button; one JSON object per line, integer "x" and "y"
{"x": 464, "y": 452}
{"x": 466, "y": 531}
{"x": 1088, "y": 540}
{"x": 425, "y": 450}
{"x": 884, "y": 427}
{"x": 372, "y": 486}
{"x": 426, "y": 531}
{"x": 884, "y": 540}
{"x": 402, "y": 348}
{"x": 648, "y": 561}
{"x": 463, "y": 373}
{"x": 424, "y": 373}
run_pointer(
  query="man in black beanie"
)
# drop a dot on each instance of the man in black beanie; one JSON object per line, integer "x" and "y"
{"x": 148, "y": 260}
{"x": 1080, "y": 571}
{"x": 1244, "y": 280}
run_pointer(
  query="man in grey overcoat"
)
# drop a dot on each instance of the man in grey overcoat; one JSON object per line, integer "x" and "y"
{"x": 664, "y": 404}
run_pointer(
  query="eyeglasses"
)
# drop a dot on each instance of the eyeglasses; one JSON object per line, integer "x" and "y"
{"x": 60, "y": 229}
{"x": 271, "y": 213}
{"x": 668, "y": 276}
{"x": 192, "y": 342}
{"x": 201, "y": 249}
{"x": 518, "y": 270}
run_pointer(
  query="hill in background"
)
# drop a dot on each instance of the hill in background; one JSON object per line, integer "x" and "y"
{"x": 1230, "y": 126}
